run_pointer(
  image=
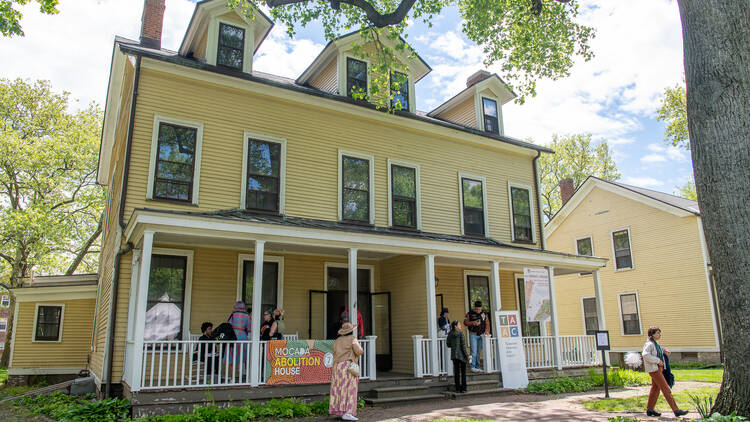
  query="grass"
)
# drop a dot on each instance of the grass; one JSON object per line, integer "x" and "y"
{"x": 616, "y": 378}
{"x": 638, "y": 403}
{"x": 704, "y": 375}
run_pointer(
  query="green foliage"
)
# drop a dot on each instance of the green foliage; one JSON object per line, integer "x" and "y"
{"x": 703, "y": 404}
{"x": 687, "y": 190}
{"x": 616, "y": 378}
{"x": 576, "y": 157}
{"x": 718, "y": 417}
{"x": 10, "y": 16}
{"x": 673, "y": 111}
{"x": 623, "y": 419}
{"x": 64, "y": 408}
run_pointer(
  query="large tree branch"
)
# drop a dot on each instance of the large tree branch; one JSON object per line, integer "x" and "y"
{"x": 85, "y": 249}
{"x": 376, "y": 18}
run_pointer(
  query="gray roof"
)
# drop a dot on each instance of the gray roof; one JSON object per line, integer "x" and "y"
{"x": 673, "y": 200}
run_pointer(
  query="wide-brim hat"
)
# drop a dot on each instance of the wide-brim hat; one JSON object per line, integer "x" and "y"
{"x": 347, "y": 328}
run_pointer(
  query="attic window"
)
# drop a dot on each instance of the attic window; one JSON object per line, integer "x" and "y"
{"x": 231, "y": 46}
{"x": 489, "y": 109}
{"x": 400, "y": 90}
{"x": 356, "y": 77}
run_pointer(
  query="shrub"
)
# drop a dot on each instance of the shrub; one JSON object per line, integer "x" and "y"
{"x": 718, "y": 417}
{"x": 616, "y": 378}
{"x": 703, "y": 404}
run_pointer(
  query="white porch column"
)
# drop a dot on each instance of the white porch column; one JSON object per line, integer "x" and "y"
{"x": 353, "y": 288}
{"x": 600, "y": 307}
{"x": 140, "y": 310}
{"x": 431, "y": 313}
{"x": 554, "y": 325}
{"x": 255, "y": 357}
{"x": 496, "y": 305}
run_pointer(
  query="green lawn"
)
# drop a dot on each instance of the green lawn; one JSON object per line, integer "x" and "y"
{"x": 706, "y": 375}
{"x": 3, "y": 376}
{"x": 638, "y": 403}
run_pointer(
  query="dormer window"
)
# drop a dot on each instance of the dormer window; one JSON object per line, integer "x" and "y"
{"x": 231, "y": 46}
{"x": 400, "y": 90}
{"x": 356, "y": 77}
{"x": 489, "y": 110}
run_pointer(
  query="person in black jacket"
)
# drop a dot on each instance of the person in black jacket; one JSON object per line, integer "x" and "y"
{"x": 207, "y": 352}
{"x": 459, "y": 355}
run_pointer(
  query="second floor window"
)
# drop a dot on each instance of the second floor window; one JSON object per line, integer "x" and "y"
{"x": 400, "y": 90}
{"x": 489, "y": 110}
{"x": 263, "y": 175}
{"x": 355, "y": 184}
{"x": 175, "y": 162}
{"x": 404, "y": 196}
{"x": 522, "y": 224}
{"x": 621, "y": 246}
{"x": 231, "y": 46}
{"x": 473, "y": 206}
{"x": 356, "y": 77}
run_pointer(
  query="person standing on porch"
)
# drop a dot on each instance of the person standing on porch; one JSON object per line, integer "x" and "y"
{"x": 240, "y": 322}
{"x": 360, "y": 322}
{"x": 653, "y": 363}
{"x": 344, "y": 384}
{"x": 444, "y": 323}
{"x": 459, "y": 355}
{"x": 477, "y": 323}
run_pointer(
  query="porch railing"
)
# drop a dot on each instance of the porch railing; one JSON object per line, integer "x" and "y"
{"x": 540, "y": 352}
{"x": 579, "y": 351}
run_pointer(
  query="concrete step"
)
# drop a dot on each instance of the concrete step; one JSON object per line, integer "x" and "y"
{"x": 400, "y": 391}
{"x": 404, "y": 400}
{"x": 478, "y": 385}
{"x": 479, "y": 393}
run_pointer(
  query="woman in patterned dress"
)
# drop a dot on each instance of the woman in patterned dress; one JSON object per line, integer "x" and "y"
{"x": 344, "y": 385}
{"x": 240, "y": 321}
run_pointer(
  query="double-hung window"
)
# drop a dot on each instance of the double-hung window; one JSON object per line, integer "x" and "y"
{"x": 631, "y": 322}
{"x": 356, "y": 77}
{"x": 165, "y": 302}
{"x": 400, "y": 90}
{"x": 473, "y": 206}
{"x": 264, "y": 172}
{"x": 590, "y": 317}
{"x": 5, "y": 301}
{"x": 489, "y": 111}
{"x": 621, "y": 247}
{"x": 48, "y": 323}
{"x": 356, "y": 189}
{"x": 231, "y": 47}
{"x": 175, "y": 162}
{"x": 584, "y": 247}
{"x": 404, "y": 191}
{"x": 520, "y": 198}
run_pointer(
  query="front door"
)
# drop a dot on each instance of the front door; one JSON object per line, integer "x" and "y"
{"x": 381, "y": 315}
{"x": 478, "y": 289}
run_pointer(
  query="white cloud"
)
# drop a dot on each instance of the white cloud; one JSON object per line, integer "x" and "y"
{"x": 282, "y": 56}
{"x": 620, "y": 141}
{"x": 653, "y": 158}
{"x": 668, "y": 152}
{"x": 644, "y": 182}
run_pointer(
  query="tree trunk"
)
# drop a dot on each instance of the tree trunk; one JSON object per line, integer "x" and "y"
{"x": 716, "y": 36}
{"x": 5, "y": 357}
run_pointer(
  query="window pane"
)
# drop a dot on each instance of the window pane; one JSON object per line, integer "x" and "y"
{"x": 490, "y": 107}
{"x": 231, "y": 36}
{"x": 230, "y": 57}
{"x": 48, "y": 323}
{"x": 177, "y": 145}
{"x": 270, "y": 288}
{"x": 473, "y": 221}
{"x": 356, "y": 205}
{"x": 473, "y": 193}
{"x": 264, "y": 158}
{"x": 400, "y": 90}
{"x": 621, "y": 240}
{"x": 263, "y": 184}
{"x": 404, "y": 181}
{"x": 356, "y": 80}
{"x": 403, "y": 213}
{"x": 479, "y": 290}
{"x": 521, "y": 203}
{"x": 584, "y": 247}
{"x": 167, "y": 279}
{"x": 172, "y": 190}
{"x": 629, "y": 305}
{"x": 356, "y": 173}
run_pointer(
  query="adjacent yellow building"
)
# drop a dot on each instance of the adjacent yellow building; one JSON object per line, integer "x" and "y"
{"x": 658, "y": 272}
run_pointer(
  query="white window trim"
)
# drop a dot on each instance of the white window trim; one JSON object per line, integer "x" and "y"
{"x": 484, "y": 200}
{"x": 36, "y": 317}
{"x": 418, "y": 211}
{"x": 282, "y": 167}
{"x": 5, "y": 320}
{"x": 542, "y": 324}
{"x": 532, "y": 205}
{"x": 189, "y": 254}
{"x": 242, "y": 258}
{"x": 467, "y": 273}
{"x": 3, "y": 301}
{"x": 326, "y": 266}
{"x": 343, "y": 74}
{"x": 212, "y": 42}
{"x": 630, "y": 248}
{"x": 583, "y": 312}
{"x": 158, "y": 119}
{"x": 575, "y": 248}
{"x": 479, "y": 107}
{"x": 367, "y": 157}
{"x": 637, "y": 307}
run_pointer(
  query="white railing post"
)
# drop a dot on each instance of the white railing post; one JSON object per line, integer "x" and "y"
{"x": 371, "y": 361}
{"x": 418, "y": 371}
{"x": 352, "y": 305}
{"x": 496, "y": 307}
{"x": 256, "y": 312}
{"x": 447, "y": 354}
{"x": 555, "y": 326}
{"x": 431, "y": 313}
{"x": 140, "y": 312}
{"x": 487, "y": 352}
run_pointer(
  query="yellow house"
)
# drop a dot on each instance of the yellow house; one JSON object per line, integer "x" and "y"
{"x": 658, "y": 272}
{"x": 226, "y": 184}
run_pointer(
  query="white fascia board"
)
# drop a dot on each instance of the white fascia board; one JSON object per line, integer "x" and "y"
{"x": 42, "y": 294}
{"x": 109, "y": 125}
{"x": 320, "y": 62}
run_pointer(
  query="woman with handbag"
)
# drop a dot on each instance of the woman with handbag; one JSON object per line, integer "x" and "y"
{"x": 653, "y": 363}
{"x": 345, "y": 374}
{"x": 459, "y": 355}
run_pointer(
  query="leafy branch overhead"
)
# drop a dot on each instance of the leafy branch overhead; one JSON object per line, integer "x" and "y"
{"x": 527, "y": 40}
{"x": 10, "y": 16}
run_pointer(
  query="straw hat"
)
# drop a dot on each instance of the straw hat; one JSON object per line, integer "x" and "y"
{"x": 347, "y": 328}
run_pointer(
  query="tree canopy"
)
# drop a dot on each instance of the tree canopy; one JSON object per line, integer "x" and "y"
{"x": 673, "y": 111}
{"x": 576, "y": 157}
{"x": 10, "y": 16}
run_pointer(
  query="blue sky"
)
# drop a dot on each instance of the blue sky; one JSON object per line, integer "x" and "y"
{"x": 614, "y": 97}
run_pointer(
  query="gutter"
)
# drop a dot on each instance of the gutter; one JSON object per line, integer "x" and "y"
{"x": 542, "y": 240}
{"x": 129, "y": 246}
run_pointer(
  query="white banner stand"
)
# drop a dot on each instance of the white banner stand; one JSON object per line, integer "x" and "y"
{"x": 512, "y": 356}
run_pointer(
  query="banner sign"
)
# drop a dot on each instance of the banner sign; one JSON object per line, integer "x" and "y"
{"x": 536, "y": 289}
{"x": 298, "y": 361}
{"x": 512, "y": 356}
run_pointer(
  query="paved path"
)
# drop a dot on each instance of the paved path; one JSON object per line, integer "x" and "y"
{"x": 519, "y": 407}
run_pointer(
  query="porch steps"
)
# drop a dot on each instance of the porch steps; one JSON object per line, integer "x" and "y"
{"x": 385, "y": 396}
{"x": 479, "y": 388}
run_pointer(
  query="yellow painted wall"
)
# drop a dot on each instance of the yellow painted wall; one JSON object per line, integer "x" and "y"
{"x": 326, "y": 79}
{"x": 71, "y": 352}
{"x": 669, "y": 273}
{"x": 312, "y": 155}
{"x": 452, "y": 286}
{"x": 463, "y": 114}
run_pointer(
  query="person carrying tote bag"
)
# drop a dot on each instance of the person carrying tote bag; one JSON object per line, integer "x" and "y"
{"x": 344, "y": 382}
{"x": 459, "y": 355}
{"x": 653, "y": 363}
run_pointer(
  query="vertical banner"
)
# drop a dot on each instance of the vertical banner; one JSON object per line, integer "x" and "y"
{"x": 298, "y": 361}
{"x": 512, "y": 356}
{"x": 536, "y": 289}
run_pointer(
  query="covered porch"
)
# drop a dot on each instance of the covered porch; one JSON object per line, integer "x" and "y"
{"x": 399, "y": 286}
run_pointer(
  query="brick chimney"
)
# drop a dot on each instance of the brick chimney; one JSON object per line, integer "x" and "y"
{"x": 151, "y": 23}
{"x": 567, "y": 188}
{"x": 477, "y": 77}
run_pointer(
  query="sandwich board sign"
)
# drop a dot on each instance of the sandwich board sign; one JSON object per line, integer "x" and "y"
{"x": 512, "y": 356}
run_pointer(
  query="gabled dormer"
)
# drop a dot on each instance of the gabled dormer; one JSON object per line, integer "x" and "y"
{"x": 479, "y": 106}
{"x": 224, "y": 37}
{"x": 338, "y": 69}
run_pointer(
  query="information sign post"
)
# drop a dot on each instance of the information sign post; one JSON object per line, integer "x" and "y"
{"x": 602, "y": 343}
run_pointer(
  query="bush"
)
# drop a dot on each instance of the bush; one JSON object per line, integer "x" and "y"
{"x": 718, "y": 417}
{"x": 64, "y": 408}
{"x": 617, "y": 379}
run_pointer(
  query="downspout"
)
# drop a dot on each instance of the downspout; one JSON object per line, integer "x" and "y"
{"x": 542, "y": 240}
{"x": 121, "y": 220}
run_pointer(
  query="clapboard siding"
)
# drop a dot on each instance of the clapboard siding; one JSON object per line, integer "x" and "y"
{"x": 463, "y": 114}
{"x": 327, "y": 78}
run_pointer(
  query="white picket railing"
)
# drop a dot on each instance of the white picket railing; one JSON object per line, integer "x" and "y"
{"x": 579, "y": 351}
{"x": 540, "y": 352}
